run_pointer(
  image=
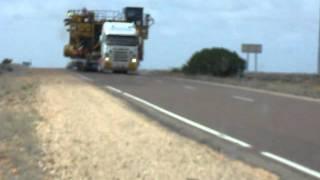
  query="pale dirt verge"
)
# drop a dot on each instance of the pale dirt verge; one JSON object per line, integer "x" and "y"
{"x": 89, "y": 134}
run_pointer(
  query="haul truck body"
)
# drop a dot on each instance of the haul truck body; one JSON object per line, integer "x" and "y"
{"x": 95, "y": 34}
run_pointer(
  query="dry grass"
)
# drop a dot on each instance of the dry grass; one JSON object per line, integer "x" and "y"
{"x": 19, "y": 147}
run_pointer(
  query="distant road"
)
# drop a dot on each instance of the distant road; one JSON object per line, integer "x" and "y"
{"x": 281, "y": 126}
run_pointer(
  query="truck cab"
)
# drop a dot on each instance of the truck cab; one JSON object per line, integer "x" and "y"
{"x": 119, "y": 43}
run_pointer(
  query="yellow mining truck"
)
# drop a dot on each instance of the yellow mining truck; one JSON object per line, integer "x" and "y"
{"x": 107, "y": 40}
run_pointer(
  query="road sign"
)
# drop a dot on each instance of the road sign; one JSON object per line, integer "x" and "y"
{"x": 26, "y": 63}
{"x": 252, "y": 48}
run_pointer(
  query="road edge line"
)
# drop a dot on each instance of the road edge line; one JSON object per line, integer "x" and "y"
{"x": 280, "y": 94}
{"x": 114, "y": 89}
{"x": 85, "y": 78}
{"x": 183, "y": 119}
{"x": 271, "y": 156}
{"x": 292, "y": 164}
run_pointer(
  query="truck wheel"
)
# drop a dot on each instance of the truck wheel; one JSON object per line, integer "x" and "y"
{"x": 81, "y": 67}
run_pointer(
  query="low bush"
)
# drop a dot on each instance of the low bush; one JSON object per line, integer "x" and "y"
{"x": 175, "y": 70}
{"x": 215, "y": 61}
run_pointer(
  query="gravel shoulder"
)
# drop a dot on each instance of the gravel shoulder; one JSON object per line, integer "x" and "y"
{"x": 85, "y": 133}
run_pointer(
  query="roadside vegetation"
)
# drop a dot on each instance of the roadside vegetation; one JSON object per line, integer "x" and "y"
{"x": 223, "y": 66}
{"x": 5, "y": 65}
{"x": 216, "y": 62}
{"x": 19, "y": 147}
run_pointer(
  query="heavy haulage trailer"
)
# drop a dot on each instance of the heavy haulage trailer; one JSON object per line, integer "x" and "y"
{"x": 107, "y": 40}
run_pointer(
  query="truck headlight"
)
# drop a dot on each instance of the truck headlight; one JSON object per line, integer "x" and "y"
{"x": 134, "y": 60}
{"x": 107, "y": 59}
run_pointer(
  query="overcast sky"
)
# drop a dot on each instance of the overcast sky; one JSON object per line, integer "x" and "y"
{"x": 288, "y": 29}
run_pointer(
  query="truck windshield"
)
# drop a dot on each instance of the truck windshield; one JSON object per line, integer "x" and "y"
{"x": 122, "y": 40}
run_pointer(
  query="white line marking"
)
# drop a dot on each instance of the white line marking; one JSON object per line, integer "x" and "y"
{"x": 183, "y": 119}
{"x": 241, "y": 98}
{"x": 114, "y": 89}
{"x": 292, "y": 164}
{"x": 252, "y": 90}
{"x": 219, "y": 134}
{"x": 85, "y": 78}
{"x": 189, "y": 88}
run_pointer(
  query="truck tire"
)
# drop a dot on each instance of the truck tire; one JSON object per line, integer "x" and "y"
{"x": 115, "y": 71}
{"x": 81, "y": 67}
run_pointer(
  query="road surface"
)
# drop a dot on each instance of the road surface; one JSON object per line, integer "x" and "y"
{"x": 280, "y": 125}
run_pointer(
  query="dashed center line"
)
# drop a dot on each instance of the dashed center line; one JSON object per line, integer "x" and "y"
{"x": 189, "y": 87}
{"x": 241, "y": 98}
{"x": 249, "y": 89}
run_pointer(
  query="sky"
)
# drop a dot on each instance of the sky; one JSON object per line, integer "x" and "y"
{"x": 33, "y": 30}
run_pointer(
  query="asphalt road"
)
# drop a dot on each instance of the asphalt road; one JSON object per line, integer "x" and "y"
{"x": 285, "y": 126}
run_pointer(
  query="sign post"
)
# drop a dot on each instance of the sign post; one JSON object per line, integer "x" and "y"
{"x": 318, "y": 69}
{"x": 255, "y": 62}
{"x": 254, "y": 49}
{"x": 248, "y": 62}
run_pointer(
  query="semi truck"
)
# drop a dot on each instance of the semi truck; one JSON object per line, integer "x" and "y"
{"x": 119, "y": 47}
{"x": 107, "y": 40}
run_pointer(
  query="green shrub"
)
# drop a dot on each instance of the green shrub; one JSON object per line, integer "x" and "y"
{"x": 175, "y": 70}
{"x": 216, "y": 62}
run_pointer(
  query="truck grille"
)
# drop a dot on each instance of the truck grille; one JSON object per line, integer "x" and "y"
{"x": 120, "y": 55}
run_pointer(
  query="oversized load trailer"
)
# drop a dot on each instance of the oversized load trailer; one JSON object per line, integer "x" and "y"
{"x": 107, "y": 40}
